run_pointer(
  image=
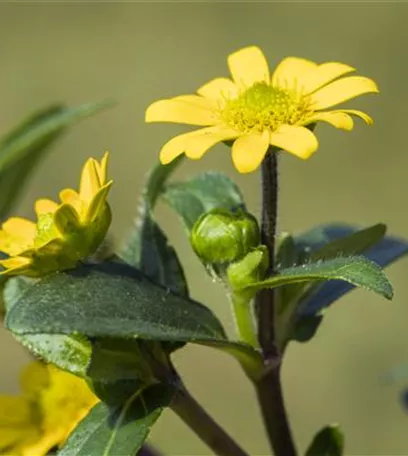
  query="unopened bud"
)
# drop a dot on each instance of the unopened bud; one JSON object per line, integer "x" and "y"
{"x": 220, "y": 237}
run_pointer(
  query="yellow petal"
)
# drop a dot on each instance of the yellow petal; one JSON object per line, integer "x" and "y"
{"x": 14, "y": 410}
{"x": 102, "y": 168}
{"x": 194, "y": 143}
{"x": 15, "y": 265}
{"x": 44, "y": 444}
{"x": 34, "y": 378}
{"x": 342, "y": 90}
{"x": 89, "y": 183}
{"x": 297, "y": 140}
{"x": 20, "y": 227}
{"x": 322, "y": 75}
{"x": 12, "y": 245}
{"x": 182, "y": 111}
{"x": 247, "y": 66}
{"x": 338, "y": 119}
{"x": 288, "y": 74}
{"x": 354, "y": 112}
{"x": 45, "y": 206}
{"x": 70, "y": 196}
{"x": 197, "y": 145}
{"x": 98, "y": 202}
{"x": 219, "y": 90}
{"x": 175, "y": 147}
{"x": 196, "y": 100}
{"x": 248, "y": 151}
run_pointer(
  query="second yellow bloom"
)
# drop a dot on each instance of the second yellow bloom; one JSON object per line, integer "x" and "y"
{"x": 65, "y": 233}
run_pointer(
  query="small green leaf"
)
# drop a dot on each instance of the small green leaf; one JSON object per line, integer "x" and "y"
{"x": 23, "y": 147}
{"x": 287, "y": 254}
{"x": 353, "y": 244}
{"x": 147, "y": 247}
{"x": 207, "y": 191}
{"x": 305, "y": 328}
{"x": 71, "y": 353}
{"x": 159, "y": 259}
{"x": 327, "y": 442}
{"x": 121, "y": 429}
{"x": 356, "y": 270}
{"x": 110, "y": 300}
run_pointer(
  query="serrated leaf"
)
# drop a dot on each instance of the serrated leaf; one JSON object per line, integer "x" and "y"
{"x": 356, "y": 270}
{"x": 147, "y": 247}
{"x": 200, "y": 194}
{"x": 118, "y": 430}
{"x": 23, "y": 147}
{"x": 71, "y": 353}
{"x": 384, "y": 252}
{"x": 327, "y": 442}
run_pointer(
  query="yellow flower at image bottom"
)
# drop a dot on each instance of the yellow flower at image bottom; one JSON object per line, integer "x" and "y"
{"x": 65, "y": 233}
{"x": 256, "y": 109}
{"x": 51, "y": 405}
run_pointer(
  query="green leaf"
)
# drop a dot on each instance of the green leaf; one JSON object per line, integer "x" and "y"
{"x": 147, "y": 247}
{"x": 117, "y": 369}
{"x": 353, "y": 244}
{"x": 111, "y": 300}
{"x": 384, "y": 252}
{"x": 306, "y": 327}
{"x": 71, "y": 353}
{"x": 121, "y": 429}
{"x": 287, "y": 254}
{"x": 202, "y": 193}
{"x": 327, "y": 442}
{"x": 355, "y": 270}
{"x": 23, "y": 147}
{"x": 322, "y": 248}
{"x": 115, "y": 300}
{"x": 309, "y": 300}
{"x": 159, "y": 259}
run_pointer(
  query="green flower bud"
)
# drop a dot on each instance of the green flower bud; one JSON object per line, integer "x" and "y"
{"x": 250, "y": 269}
{"x": 220, "y": 237}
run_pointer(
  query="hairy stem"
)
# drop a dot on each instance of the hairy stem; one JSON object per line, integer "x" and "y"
{"x": 191, "y": 412}
{"x": 269, "y": 389}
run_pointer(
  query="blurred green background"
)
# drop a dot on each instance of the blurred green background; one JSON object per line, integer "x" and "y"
{"x": 140, "y": 52}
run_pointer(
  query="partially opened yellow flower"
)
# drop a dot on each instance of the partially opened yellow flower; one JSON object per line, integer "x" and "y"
{"x": 51, "y": 405}
{"x": 257, "y": 109}
{"x": 65, "y": 233}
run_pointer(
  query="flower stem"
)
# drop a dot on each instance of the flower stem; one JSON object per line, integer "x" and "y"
{"x": 191, "y": 412}
{"x": 269, "y": 389}
{"x": 244, "y": 319}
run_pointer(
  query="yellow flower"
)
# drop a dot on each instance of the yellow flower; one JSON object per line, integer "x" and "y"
{"x": 42, "y": 417}
{"x": 256, "y": 110}
{"x": 65, "y": 233}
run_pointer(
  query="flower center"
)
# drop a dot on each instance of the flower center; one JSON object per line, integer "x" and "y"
{"x": 264, "y": 107}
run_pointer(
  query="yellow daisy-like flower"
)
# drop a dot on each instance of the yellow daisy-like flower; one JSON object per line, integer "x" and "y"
{"x": 65, "y": 233}
{"x": 257, "y": 109}
{"x": 51, "y": 405}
